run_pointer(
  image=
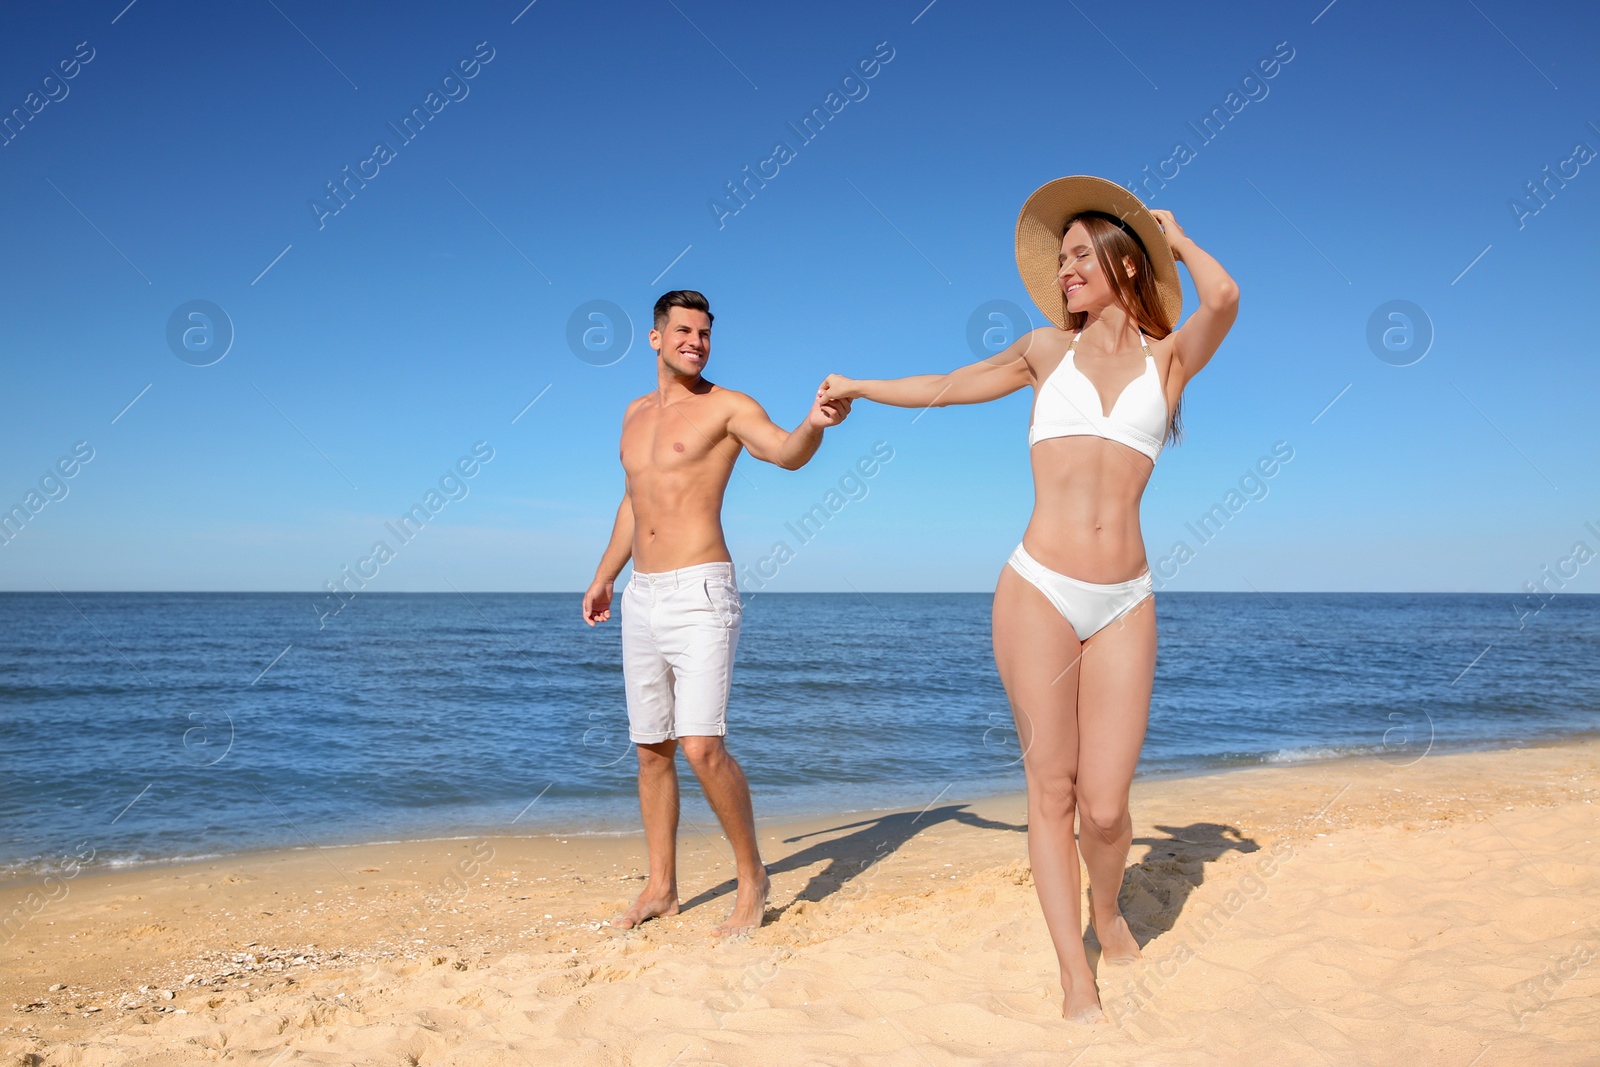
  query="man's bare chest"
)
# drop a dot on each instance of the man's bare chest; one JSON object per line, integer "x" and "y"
{"x": 674, "y": 437}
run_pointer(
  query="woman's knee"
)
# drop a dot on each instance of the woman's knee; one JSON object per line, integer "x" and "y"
{"x": 1105, "y": 818}
{"x": 1052, "y": 799}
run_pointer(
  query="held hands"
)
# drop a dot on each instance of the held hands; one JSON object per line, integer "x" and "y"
{"x": 1174, "y": 232}
{"x": 597, "y": 602}
{"x": 830, "y": 409}
{"x": 838, "y": 387}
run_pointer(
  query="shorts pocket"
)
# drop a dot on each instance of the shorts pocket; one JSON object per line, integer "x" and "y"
{"x": 724, "y": 598}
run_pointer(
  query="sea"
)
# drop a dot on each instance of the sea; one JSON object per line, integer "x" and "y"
{"x": 151, "y": 727}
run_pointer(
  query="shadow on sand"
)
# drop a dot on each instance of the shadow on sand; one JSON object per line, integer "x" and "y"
{"x": 1154, "y": 889}
{"x": 851, "y": 856}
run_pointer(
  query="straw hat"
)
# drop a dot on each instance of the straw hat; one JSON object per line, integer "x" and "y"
{"x": 1044, "y": 220}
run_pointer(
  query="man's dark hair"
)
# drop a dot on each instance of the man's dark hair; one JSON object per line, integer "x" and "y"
{"x": 681, "y": 298}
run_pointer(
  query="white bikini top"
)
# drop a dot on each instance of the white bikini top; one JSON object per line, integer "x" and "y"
{"x": 1069, "y": 406}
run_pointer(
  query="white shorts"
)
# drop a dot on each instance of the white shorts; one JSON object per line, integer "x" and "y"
{"x": 679, "y": 630}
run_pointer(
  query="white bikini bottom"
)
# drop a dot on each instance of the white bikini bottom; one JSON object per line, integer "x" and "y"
{"x": 1087, "y": 607}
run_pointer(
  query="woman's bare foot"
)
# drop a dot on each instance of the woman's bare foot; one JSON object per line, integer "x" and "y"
{"x": 749, "y": 907}
{"x": 652, "y": 903}
{"x": 1082, "y": 1002}
{"x": 1117, "y": 943}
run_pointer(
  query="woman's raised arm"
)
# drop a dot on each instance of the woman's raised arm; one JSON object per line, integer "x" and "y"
{"x": 1197, "y": 340}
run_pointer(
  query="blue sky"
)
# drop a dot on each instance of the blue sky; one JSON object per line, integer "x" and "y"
{"x": 374, "y": 347}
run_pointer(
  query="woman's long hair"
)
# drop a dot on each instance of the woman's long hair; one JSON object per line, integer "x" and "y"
{"x": 1138, "y": 295}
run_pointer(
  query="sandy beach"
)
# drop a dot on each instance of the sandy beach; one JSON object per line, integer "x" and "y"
{"x": 1442, "y": 911}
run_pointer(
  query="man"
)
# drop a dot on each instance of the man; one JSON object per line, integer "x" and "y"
{"x": 680, "y": 610}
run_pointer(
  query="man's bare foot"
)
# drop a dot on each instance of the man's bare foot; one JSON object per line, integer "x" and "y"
{"x": 651, "y": 904}
{"x": 749, "y": 907}
{"x": 1082, "y": 1003}
{"x": 1117, "y": 943}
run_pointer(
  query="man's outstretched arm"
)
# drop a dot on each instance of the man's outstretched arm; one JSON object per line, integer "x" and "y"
{"x": 771, "y": 443}
{"x": 597, "y": 599}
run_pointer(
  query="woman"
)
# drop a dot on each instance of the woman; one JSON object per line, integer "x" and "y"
{"x": 1074, "y": 612}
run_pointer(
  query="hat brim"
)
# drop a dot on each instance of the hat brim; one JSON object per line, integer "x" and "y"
{"x": 1043, "y": 222}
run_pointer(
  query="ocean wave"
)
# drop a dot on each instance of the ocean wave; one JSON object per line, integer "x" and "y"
{"x": 1312, "y": 753}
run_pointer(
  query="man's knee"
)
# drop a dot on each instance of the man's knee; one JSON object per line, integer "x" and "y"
{"x": 656, "y": 758}
{"x": 703, "y": 752}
